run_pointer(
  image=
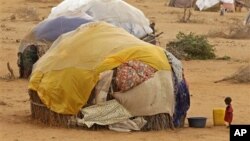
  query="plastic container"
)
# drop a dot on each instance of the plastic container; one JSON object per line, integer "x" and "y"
{"x": 197, "y": 122}
{"x": 218, "y": 116}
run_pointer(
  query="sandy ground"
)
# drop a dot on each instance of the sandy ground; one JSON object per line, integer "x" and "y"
{"x": 15, "y": 122}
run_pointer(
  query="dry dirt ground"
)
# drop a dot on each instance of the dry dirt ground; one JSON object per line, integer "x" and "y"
{"x": 15, "y": 122}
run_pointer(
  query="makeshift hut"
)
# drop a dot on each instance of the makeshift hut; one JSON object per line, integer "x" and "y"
{"x": 239, "y": 4}
{"x": 70, "y": 15}
{"x": 38, "y": 41}
{"x": 181, "y": 3}
{"x": 187, "y": 5}
{"x": 101, "y": 76}
{"x": 215, "y": 5}
{"x": 116, "y": 12}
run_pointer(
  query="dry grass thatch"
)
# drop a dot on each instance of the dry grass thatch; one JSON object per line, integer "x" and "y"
{"x": 42, "y": 114}
{"x": 241, "y": 76}
{"x": 236, "y": 31}
{"x": 239, "y": 32}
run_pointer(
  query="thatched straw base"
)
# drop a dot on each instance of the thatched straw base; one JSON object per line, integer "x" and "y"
{"x": 158, "y": 122}
{"x": 42, "y": 114}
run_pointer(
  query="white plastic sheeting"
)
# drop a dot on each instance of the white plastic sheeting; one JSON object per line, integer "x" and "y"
{"x": 70, "y": 8}
{"x": 204, "y": 4}
{"x": 116, "y": 12}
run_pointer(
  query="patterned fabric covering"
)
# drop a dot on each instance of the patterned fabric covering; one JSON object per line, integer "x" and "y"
{"x": 182, "y": 96}
{"x": 176, "y": 66}
{"x": 132, "y": 73}
{"x": 106, "y": 113}
{"x": 182, "y": 102}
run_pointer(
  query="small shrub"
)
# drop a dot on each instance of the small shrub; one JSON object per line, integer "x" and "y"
{"x": 191, "y": 46}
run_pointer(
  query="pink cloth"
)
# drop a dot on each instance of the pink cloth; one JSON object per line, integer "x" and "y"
{"x": 229, "y": 6}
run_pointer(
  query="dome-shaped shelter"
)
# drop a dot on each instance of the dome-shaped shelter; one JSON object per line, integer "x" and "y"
{"x": 116, "y": 12}
{"x": 101, "y": 75}
{"x": 40, "y": 38}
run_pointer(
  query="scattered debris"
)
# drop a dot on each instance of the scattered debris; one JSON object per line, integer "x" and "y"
{"x": 18, "y": 40}
{"x": 11, "y": 71}
{"x": 10, "y": 76}
{"x": 6, "y": 28}
{"x": 223, "y": 58}
{"x": 12, "y": 17}
{"x": 28, "y": 13}
{"x": 186, "y": 16}
{"x": 3, "y": 25}
{"x": 3, "y": 103}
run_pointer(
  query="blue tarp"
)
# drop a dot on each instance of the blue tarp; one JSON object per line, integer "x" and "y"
{"x": 50, "y": 30}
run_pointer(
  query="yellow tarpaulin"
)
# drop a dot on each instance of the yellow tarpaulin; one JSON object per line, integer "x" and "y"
{"x": 65, "y": 76}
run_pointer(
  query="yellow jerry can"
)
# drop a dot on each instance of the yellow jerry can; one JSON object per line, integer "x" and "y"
{"x": 218, "y": 116}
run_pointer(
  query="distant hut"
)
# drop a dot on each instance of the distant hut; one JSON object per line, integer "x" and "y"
{"x": 181, "y": 3}
{"x": 239, "y": 4}
{"x": 186, "y": 4}
{"x": 215, "y": 5}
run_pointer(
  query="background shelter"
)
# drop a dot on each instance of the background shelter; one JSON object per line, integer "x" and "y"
{"x": 40, "y": 38}
{"x": 181, "y": 3}
{"x": 116, "y": 12}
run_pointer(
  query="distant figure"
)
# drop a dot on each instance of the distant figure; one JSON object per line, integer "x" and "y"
{"x": 152, "y": 26}
{"x": 222, "y": 10}
{"x": 229, "y": 111}
{"x": 226, "y": 7}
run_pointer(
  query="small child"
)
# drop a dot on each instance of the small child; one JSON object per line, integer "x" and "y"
{"x": 229, "y": 111}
